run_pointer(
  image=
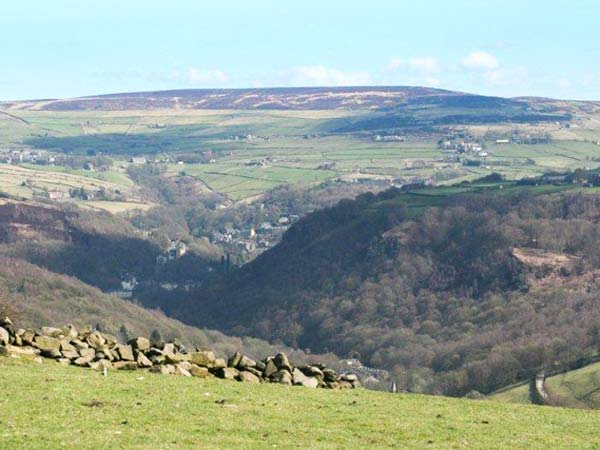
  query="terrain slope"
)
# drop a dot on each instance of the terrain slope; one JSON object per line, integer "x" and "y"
{"x": 50, "y": 406}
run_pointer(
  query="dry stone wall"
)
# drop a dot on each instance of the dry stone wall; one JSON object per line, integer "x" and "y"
{"x": 99, "y": 351}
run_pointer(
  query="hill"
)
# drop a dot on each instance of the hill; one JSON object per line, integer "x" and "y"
{"x": 39, "y": 297}
{"x": 577, "y": 388}
{"x": 474, "y": 286}
{"x": 384, "y": 108}
{"x": 54, "y": 259}
{"x": 97, "y": 247}
{"x": 243, "y": 143}
{"x": 309, "y": 98}
{"x": 69, "y": 407}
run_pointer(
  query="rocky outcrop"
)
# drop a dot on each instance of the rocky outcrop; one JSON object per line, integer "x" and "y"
{"x": 102, "y": 352}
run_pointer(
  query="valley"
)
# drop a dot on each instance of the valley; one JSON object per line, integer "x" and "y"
{"x": 317, "y": 225}
{"x": 410, "y": 234}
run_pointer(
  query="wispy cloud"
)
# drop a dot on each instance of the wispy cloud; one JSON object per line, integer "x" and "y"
{"x": 480, "y": 60}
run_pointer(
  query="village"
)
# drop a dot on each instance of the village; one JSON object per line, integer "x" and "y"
{"x": 252, "y": 240}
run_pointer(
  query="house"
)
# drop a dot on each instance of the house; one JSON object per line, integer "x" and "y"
{"x": 247, "y": 245}
{"x": 137, "y": 160}
{"x": 176, "y": 250}
{"x": 224, "y": 205}
{"x": 128, "y": 283}
{"x": 391, "y": 138}
{"x": 327, "y": 165}
{"x": 249, "y": 234}
{"x": 265, "y": 226}
{"x": 181, "y": 249}
{"x": 502, "y": 141}
{"x": 255, "y": 163}
{"x": 447, "y": 145}
{"x": 58, "y": 195}
{"x": 121, "y": 294}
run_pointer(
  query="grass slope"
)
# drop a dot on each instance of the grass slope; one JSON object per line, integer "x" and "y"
{"x": 577, "y": 388}
{"x": 50, "y": 406}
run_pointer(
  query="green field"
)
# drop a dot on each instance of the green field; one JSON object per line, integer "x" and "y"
{"x": 27, "y": 181}
{"x": 32, "y": 179}
{"x": 576, "y": 388}
{"x": 112, "y": 177}
{"x": 50, "y": 406}
{"x": 301, "y": 146}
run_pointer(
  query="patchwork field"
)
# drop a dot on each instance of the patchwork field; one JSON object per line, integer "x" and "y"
{"x": 254, "y": 151}
{"x": 50, "y": 406}
{"x": 25, "y": 181}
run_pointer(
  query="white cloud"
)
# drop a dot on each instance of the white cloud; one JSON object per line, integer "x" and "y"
{"x": 193, "y": 76}
{"x": 480, "y": 60}
{"x": 319, "y": 75}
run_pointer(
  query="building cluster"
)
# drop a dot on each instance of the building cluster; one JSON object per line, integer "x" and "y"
{"x": 371, "y": 377}
{"x": 249, "y": 138}
{"x": 389, "y": 138}
{"x": 255, "y": 238}
{"x": 175, "y": 250}
{"x": 259, "y": 162}
{"x": 462, "y": 146}
{"x": 26, "y": 156}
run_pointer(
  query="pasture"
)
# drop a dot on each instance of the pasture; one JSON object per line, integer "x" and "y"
{"x": 29, "y": 181}
{"x": 576, "y": 388}
{"x": 51, "y": 406}
{"x": 254, "y": 151}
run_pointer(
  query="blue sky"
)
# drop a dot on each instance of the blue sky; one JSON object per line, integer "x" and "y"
{"x": 67, "y": 48}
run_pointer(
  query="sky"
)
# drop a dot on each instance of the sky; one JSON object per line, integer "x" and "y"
{"x": 69, "y": 48}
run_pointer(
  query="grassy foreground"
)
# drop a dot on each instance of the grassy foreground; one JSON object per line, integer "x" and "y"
{"x": 50, "y": 406}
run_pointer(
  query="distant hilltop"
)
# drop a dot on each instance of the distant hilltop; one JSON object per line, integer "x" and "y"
{"x": 297, "y": 98}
